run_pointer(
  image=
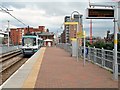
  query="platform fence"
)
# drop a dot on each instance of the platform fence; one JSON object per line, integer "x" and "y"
{"x": 101, "y": 57}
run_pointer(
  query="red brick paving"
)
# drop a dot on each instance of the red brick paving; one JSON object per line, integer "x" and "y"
{"x": 59, "y": 70}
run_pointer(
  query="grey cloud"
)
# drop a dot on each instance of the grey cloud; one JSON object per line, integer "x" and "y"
{"x": 13, "y": 4}
{"x": 57, "y": 8}
{"x": 64, "y": 8}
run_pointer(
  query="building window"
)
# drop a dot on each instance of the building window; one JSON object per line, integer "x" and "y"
{"x": 75, "y": 27}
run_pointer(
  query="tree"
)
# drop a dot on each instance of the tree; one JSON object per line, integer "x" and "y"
{"x": 109, "y": 46}
{"x": 99, "y": 44}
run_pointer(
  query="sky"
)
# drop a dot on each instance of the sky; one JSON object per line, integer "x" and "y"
{"x": 51, "y": 13}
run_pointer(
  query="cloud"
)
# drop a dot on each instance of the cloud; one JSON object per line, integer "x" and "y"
{"x": 49, "y": 14}
{"x": 56, "y": 1}
{"x": 42, "y": 13}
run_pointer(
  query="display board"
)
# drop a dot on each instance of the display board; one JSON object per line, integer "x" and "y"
{"x": 100, "y": 13}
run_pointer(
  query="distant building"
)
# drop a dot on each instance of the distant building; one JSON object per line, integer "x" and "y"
{"x": 110, "y": 37}
{"x": 3, "y": 34}
{"x": 3, "y": 37}
{"x": 62, "y": 37}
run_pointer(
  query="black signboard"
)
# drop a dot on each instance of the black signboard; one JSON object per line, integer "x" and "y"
{"x": 95, "y": 13}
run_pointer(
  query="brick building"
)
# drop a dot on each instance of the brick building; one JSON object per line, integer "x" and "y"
{"x": 73, "y": 30}
{"x": 48, "y": 37}
{"x": 66, "y": 31}
{"x": 17, "y": 33}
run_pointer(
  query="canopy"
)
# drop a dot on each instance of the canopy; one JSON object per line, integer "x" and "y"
{"x": 48, "y": 40}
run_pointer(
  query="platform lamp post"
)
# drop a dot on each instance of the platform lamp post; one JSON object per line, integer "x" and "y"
{"x": 56, "y": 41}
{"x": 8, "y": 33}
{"x": 78, "y": 28}
{"x": 62, "y": 30}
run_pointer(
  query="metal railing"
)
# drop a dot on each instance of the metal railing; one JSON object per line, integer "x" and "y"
{"x": 102, "y": 57}
{"x": 67, "y": 47}
{"x": 5, "y": 49}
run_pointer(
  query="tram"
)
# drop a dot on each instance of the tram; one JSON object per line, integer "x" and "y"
{"x": 31, "y": 43}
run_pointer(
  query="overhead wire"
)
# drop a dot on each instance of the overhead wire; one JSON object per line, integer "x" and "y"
{"x": 6, "y": 11}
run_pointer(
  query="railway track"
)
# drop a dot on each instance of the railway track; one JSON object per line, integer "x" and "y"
{"x": 9, "y": 63}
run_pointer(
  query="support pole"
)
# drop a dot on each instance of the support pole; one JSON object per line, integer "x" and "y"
{"x": 8, "y": 33}
{"x": 77, "y": 47}
{"x": 78, "y": 29}
{"x": 90, "y": 31}
{"x": 84, "y": 49}
{"x": 115, "y": 63}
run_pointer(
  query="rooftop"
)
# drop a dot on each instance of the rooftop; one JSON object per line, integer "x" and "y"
{"x": 45, "y": 33}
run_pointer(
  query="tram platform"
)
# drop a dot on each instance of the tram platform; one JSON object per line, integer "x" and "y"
{"x": 52, "y": 67}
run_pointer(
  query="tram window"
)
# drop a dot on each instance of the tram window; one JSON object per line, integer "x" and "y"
{"x": 34, "y": 41}
{"x": 23, "y": 42}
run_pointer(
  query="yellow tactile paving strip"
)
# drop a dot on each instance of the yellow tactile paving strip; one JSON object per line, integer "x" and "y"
{"x": 31, "y": 80}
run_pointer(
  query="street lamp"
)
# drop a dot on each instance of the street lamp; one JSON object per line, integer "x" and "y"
{"x": 78, "y": 28}
{"x": 8, "y": 33}
{"x": 62, "y": 31}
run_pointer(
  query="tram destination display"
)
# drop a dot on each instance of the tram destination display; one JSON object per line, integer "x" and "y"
{"x": 96, "y": 13}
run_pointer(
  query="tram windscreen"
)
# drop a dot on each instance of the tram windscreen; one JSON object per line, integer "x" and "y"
{"x": 29, "y": 41}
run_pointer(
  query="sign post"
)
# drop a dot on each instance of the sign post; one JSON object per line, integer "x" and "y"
{"x": 80, "y": 34}
{"x": 71, "y": 23}
{"x": 84, "y": 35}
